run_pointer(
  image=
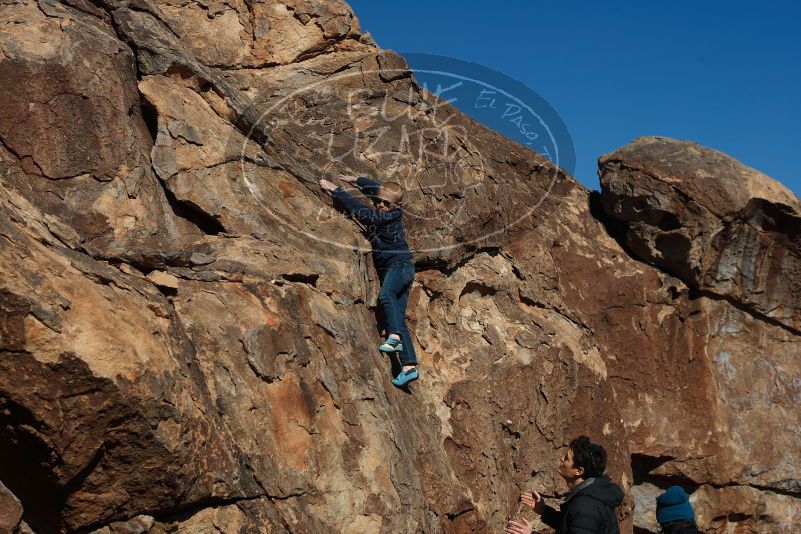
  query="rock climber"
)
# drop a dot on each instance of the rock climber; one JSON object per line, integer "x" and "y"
{"x": 392, "y": 258}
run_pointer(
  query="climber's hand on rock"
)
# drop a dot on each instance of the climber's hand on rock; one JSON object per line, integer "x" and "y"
{"x": 513, "y": 527}
{"x": 326, "y": 185}
{"x": 347, "y": 178}
{"x": 534, "y": 501}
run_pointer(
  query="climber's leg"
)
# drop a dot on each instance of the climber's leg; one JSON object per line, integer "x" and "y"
{"x": 408, "y": 356}
{"x": 392, "y": 286}
{"x": 381, "y": 320}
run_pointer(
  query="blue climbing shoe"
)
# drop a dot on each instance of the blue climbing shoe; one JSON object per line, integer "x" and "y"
{"x": 391, "y": 345}
{"x": 405, "y": 377}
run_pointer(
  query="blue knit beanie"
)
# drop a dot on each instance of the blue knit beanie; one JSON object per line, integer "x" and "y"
{"x": 673, "y": 505}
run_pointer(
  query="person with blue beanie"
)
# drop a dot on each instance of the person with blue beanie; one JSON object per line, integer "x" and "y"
{"x": 674, "y": 513}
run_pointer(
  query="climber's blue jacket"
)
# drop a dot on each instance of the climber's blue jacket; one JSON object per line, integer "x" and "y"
{"x": 384, "y": 229}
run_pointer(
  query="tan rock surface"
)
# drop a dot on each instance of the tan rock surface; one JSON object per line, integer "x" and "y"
{"x": 720, "y": 226}
{"x": 212, "y": 367}
{"x": 10, "y": 511}
{"x": 73, "y": 138}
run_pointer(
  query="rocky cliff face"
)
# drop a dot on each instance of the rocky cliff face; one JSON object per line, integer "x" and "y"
{"x": 187, "y": 329}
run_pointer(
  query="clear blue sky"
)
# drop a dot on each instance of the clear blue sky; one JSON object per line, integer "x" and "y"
{"x": 724, "y": 74}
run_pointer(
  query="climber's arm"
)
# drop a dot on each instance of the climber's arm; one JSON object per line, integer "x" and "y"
{"x": 351, "y": 205}
{"x": 361, "y": 212}
{"x": 367, "y": 186}
{"x": 356, "y": 209}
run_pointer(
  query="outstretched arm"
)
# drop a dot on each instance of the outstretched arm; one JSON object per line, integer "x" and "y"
{"x": 355, "y": 208}
{"x": 366, "y": 185}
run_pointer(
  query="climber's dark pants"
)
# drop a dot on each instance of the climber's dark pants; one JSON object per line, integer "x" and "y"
{"x": 396, "y": 283}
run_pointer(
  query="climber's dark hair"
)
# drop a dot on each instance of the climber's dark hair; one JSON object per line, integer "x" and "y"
{"x": 589, "y": 455}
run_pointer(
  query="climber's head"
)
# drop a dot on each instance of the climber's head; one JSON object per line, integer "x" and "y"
{"x": 389, "y": 196}
{"x": 583, "y": 459}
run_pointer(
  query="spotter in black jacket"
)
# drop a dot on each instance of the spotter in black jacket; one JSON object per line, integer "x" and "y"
{"x": 587, "y": 509}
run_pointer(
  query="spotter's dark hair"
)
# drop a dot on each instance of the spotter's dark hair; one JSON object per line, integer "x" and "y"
{"x": 589, "y": 455}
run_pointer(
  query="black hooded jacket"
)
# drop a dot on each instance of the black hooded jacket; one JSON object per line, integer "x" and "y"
{"x": 587, "y": 509}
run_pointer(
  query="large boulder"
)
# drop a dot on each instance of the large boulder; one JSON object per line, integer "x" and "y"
{"x": 722, "y": 227}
